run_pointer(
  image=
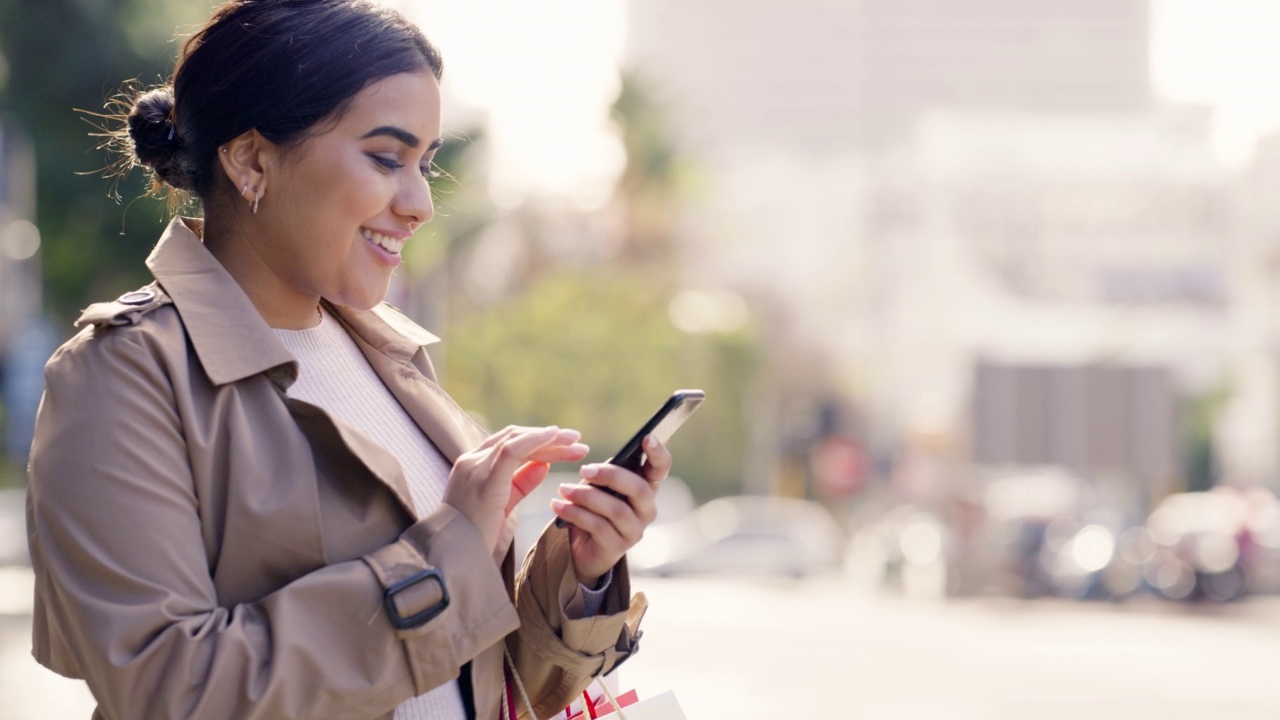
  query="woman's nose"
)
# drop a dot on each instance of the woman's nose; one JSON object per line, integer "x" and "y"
{"x": 414, "y": 202}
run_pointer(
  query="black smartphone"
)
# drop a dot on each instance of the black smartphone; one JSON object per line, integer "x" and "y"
{"x": 662, "y": 425}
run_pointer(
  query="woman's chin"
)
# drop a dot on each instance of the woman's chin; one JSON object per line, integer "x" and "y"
{"x": 362, "y": 301}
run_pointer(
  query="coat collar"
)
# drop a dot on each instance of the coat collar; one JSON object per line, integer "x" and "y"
{"x": 230, "y": 337}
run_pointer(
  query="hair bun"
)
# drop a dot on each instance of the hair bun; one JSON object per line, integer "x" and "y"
{"x": 156, "y": 143}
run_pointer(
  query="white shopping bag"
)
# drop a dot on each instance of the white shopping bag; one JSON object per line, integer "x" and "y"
{"x": 658, "y": 707}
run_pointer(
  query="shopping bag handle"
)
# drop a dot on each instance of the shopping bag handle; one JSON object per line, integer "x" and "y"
{"x": 612, "y": 700}
{"x": 508, "y": 701}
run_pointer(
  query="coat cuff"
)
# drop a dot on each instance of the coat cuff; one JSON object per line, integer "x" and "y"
{"x": 588, "y": 646}
{"x": 480, "y": 612}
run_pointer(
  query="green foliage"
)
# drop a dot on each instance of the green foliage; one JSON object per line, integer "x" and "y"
{"x": 593, "y": 349}
{"x": 1201, "y": 416}
{"x": 70, "y": 55}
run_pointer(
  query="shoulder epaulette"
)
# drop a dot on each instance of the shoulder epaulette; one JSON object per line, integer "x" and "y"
{"x": 127, "y": 309}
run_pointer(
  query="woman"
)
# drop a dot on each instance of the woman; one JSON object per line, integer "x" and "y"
{"x": 248, "y": 496}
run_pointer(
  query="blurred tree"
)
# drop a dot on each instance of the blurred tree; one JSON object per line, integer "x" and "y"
{"x": 1202, "y": 412}
{"x": 594, "y": 349}
{"x": 587, "y": 341}
{"x": 69, "y": 55}
{"x": 656, "y": 178}
{"x": 462, "y": 211}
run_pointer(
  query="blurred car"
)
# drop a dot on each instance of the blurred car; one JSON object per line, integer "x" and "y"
{"x": 1215, "y": 545}
{"x": 1025, "y": 514}
{"x": 909, "y": 550}
{"x": 747, "y": 535}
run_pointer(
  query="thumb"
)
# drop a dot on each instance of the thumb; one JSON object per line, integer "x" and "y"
{"x": 528, "y": 477}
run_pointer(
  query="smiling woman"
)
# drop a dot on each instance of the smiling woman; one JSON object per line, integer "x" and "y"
{"x": 248, "y": 497}
{"x": 334, "y": 211}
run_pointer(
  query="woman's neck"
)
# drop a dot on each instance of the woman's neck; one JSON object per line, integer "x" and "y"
{"x": 239, "y": 252}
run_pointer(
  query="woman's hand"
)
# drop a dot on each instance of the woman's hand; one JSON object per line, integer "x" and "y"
{"x": 486, "y": 483}
{"x": 603, "y": 527}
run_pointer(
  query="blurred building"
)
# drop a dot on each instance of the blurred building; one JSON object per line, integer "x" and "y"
{"x": 818, "y": 74}
{"x": 1249, "y": 431}
{"x": 923, "y": 186}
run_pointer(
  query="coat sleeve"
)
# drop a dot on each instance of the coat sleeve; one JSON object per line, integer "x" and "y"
{"x": 557, "y": 656}
{"x": 125, "y": 596}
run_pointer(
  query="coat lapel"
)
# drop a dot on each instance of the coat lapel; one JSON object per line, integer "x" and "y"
{"x": 328, "y": 430}
{"x": 394, "y": 347}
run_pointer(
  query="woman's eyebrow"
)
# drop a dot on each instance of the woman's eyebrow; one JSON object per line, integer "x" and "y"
{"x": 403, "y": 136}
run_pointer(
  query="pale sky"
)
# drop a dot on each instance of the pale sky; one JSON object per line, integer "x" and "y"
{"x": 545, "y": 73}
{"x": 1225, "y": 53}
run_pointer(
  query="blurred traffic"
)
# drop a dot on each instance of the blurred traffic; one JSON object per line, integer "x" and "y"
{"x": 1025, "y": 536}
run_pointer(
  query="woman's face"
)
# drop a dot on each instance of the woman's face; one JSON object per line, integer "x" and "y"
{"x": 338, "y": 208}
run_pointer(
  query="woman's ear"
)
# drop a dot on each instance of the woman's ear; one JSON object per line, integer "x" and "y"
{"x": 245, "y": 159}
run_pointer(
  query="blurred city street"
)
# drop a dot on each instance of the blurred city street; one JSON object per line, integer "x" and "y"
{"x": 982, "y": 295}
{"x": 757, "y": 649}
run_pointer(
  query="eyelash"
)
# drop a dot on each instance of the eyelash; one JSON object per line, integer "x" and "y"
{"x": 389, "y": 164}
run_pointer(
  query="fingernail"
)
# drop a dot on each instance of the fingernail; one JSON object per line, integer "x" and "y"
{"x": 570, "y": 435}
{"x": 580, "y": 448}
{"x": 551, "y": 429}
{"x": 558, "y": 504}
{"x": 589, "y": 471}
{"x": 649, "y": 442}
{"x": 566, "y": 488}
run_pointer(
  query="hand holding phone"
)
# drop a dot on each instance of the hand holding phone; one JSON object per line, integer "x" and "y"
{"x": 662, "y": 426}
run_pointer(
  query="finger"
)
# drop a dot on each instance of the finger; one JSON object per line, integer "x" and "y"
{"x": 560, "y": 453}
{"x": 638, "y": 492}
{"x": 567, "y": 436}
{"x": 602, "y": 532}
{"x": 511, "y": 453}
{"x": 658, "y": 460}
{"x": 528, "y": 477}
{"x": 630, "y": 485}
{"x": 499, "y": 436}
{"x": 616, "y": 511}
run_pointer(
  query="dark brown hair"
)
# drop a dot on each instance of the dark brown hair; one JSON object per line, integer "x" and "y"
{"x": 278, "y": 66}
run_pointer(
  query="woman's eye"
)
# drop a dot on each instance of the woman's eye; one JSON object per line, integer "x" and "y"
{"x": 386, "y": 162}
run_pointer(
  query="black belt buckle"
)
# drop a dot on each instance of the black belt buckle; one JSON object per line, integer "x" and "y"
{"x": 417, "y": 619}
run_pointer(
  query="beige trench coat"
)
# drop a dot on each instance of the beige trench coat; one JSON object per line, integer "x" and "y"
{"x": 207, "y": 547}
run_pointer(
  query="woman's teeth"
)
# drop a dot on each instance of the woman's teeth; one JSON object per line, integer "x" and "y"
{"x": 389, "y": 244}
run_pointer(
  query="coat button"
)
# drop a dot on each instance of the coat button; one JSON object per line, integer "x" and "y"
{"x": 137, "y": 297}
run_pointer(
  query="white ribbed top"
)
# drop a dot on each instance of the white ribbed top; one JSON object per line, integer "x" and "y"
{"x": 334, "y": 375}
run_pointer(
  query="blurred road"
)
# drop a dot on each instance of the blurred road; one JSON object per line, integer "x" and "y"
{"x": 763, "y": 651}
{"x": 767, "y": 650}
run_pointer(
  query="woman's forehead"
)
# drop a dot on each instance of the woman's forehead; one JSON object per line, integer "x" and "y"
{"x": 408, "y": 101}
